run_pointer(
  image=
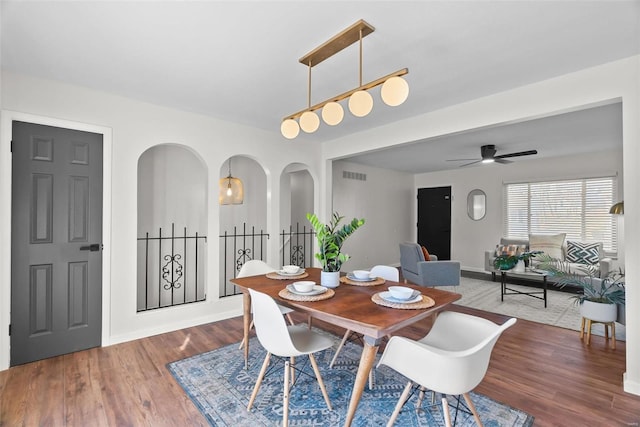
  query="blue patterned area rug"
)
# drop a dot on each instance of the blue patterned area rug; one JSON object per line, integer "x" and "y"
{"x": 220, "y": 387}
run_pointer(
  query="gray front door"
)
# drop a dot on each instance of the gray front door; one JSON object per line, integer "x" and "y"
{"x": 56, "y": 235}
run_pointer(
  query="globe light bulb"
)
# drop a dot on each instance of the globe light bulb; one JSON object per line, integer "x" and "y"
{"x": 309, "y": 121}
{"x": 394, "y": 91}
{"x": 332, "y": 113}
{"x": 360, "y": 103}
{"x": 289, "y": 128}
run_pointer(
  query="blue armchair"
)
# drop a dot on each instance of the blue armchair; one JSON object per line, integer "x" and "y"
{"x": 427, "y": 273}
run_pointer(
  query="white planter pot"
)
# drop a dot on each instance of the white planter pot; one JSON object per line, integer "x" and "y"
{"x": 330, "y": 279}
{"x": 598, "y": 311}
{"x": 519, "y": 267}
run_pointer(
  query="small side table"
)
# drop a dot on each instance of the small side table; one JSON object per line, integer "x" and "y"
{"x": 528, "y": 274}
{"x": 588, "y": 323}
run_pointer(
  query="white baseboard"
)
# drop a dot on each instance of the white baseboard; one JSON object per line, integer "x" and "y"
{"x": 629, "y": 386}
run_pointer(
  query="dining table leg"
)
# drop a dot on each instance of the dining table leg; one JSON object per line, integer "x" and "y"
{"x": 246, "y": 320}
{"x": 369, "y": 352}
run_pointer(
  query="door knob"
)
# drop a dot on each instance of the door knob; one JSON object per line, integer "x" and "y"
{"x": 94, "y": 247}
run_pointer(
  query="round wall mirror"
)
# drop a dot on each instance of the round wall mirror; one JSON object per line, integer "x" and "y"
{"x": 476, "y": 204}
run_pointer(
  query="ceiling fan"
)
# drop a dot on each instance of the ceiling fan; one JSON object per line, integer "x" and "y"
{"x": 488, "y": 155}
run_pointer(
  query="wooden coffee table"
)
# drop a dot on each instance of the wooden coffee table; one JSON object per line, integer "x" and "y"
{"x": 527, "y": 274}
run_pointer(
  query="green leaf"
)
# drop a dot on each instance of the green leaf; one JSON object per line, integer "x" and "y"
{"x": 330, "y": 239}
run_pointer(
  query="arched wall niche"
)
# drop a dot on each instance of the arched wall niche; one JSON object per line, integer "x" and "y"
{"x": 297, "y": 193}
{"x": 243, "y": 227}
{"x": 172, "y": 227}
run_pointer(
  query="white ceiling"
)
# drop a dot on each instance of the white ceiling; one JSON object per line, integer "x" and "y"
{"x": 238, "y": 60}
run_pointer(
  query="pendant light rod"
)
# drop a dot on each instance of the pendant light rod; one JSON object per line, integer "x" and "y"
{"x": 309, "y": 89}
{"x": 360, "y": 80}
{"x": 345, "y": 95}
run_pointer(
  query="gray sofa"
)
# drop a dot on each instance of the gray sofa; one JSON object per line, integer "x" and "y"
{"x": 605, "y": 265}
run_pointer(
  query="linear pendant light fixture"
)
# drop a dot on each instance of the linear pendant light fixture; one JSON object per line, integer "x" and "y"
{"x": 394, "y": 91}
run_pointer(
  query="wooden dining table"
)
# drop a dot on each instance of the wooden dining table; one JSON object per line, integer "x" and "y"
{"x": 352, "y": 308}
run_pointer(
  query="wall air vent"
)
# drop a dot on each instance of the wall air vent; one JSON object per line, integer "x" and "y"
{"x": 354, "y": 175}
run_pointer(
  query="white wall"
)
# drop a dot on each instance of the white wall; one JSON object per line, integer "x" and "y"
{"x": 172, "y": 188}
{"x": 469, "y": 239}
{"x": 136, "y": 127}
{"x": 301, "y": 190}
{"x": 384, "y": 200}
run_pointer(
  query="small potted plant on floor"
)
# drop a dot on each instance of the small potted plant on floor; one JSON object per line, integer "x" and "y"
{"x": 600, "y": 299}
{"x": 330, "y": 239}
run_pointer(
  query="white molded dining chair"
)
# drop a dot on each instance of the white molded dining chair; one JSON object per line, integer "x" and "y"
{"x": 254, "y": 267}
{"x": 452, "y": 359}
{"x": 387, "y": 272}
{"x": 284, "y": 341}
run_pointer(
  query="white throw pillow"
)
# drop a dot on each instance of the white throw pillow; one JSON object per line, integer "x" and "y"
{"x": 550, "y": 244}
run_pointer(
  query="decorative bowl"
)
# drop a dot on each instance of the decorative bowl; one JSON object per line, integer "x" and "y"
{"x": 290, "y": 269}
{"x": 304, "y": 285}
{"x": 400, "y": 292}
{"x": 361, "y": 274}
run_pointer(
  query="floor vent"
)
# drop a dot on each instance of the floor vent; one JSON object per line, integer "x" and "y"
{"x": 354, "y": 175}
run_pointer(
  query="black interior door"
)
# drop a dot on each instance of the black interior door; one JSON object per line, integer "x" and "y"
{"x": 434, "y": 220}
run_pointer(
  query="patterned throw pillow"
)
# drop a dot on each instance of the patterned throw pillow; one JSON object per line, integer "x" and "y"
{"x": 510, "y": 249}
{"x": 550, "y": 244}
{"x": 583, "y": 253}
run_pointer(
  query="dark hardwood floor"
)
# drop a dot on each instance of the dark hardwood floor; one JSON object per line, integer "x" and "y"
{"x": 543, "y": 370}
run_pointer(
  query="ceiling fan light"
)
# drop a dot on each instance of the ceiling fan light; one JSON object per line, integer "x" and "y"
{"x": 394, "y": 91}
{"x": 309, "y": 122}
{"x": 289, "y": 128}
{"x": 360, "y": 103}
{"x": 332, "y": 113}
{"x": 488, "y": 160}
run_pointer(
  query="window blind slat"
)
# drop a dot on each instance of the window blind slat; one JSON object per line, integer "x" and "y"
{"x": 579, "y": 208}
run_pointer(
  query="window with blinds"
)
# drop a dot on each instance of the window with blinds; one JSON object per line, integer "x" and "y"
{"x": 579, "y": 208}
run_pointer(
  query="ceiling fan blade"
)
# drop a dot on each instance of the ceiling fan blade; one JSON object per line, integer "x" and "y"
{"x": 502, "y": 161}
{"x": 518, "y": 154}
{"x": 472, "y": 163}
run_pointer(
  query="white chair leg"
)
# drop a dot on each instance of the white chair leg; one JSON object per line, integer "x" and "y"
{"x": 400, "y": 403}
{"x": 285, "y": 395}
{"x": 292, "y": 366}
{"x": 344, "y": 339}
{"x": 471, "y": 406}
{"x": 320, "y": 382}
{"x": 445, "y": 412}
{"x": 259, "y": 381}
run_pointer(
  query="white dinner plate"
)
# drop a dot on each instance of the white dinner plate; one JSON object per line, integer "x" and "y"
{"x": 415, "y": 297}
{"x": 317, "y": 290}
{"x": 350, "y": 276}
{"x": 284, "y": 273}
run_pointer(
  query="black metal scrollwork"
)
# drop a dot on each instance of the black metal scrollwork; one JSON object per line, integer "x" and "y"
{"x": 172, "y": 272}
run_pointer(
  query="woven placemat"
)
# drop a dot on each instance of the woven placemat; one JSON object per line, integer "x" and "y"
{"x": 378, "y": 281}
{"x": 286, "y": 294}
{"x": 275, "y": 275}
{"x": 425, "y": 303}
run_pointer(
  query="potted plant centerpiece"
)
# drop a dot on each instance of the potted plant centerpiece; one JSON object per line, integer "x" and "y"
{"x": 330, "y": 238}
{"x": 601, "y": 299}
{"x": 515, "y": 262}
